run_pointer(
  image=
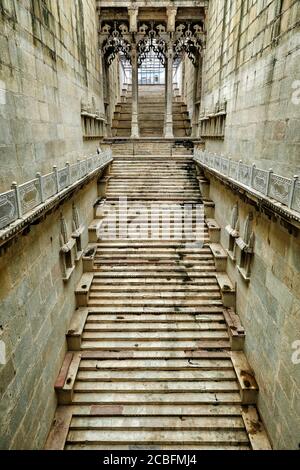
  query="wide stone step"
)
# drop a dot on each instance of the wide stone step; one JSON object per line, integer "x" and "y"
{"x": 179, "y": 328}
{"x": 151, "y": 289}
{"x": 208, "y": 334}
{"x": 172, "y": 345}
{"x": 157, "y": 423}
{"x": 156, "y": 376}
{"x": 158, "y": 437}
{"x": 175, "y": 398}
{"x": 156, "y": 387}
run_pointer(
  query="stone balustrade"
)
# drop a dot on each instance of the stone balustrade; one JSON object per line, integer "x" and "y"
{"x": 22, "y": 199}
{"x": 284, "y": 190}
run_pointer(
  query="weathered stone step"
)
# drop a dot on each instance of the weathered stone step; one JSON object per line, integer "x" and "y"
{"x": 142, "y": 327}
{"x": 155, "y": 268}
{"x": 201, "y": 312}
{"x": 155, "y": 376}
{"x": 145, "y": 263}
{"x": 159, "y": 410}
{"x": 117, "y": 447}
{"x": 210, "y": 363}
{"x": 153, "y": 289}
{"x": 187, "y": 295}
{"x": 157, "y": 423}
{"x": 159, "y": 437}
{"x": 149, "y": 355}
{"x": 156, "y": 387}
{"x": 182, "y": 274}
{"x": 164, "y": 284}
{"x": 173, "y": 345}
{"x": 90, "y": 334}
{"x": 185, "y": 251}
{"x": 174, "y": 398}
{"x": 144, "y": 319}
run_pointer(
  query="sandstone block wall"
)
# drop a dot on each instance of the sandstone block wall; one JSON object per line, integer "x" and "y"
{"x": 252, "y": 60}
{"x": 36, "y": 308}
{"x": 48, "y": 63}
{"x": 269, "y": 308}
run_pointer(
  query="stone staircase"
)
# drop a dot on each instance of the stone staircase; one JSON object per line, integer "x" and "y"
{"x": 155, "y": 355}
{"x": 151, "y": 114}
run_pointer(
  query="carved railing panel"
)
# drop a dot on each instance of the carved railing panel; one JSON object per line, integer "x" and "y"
{"x": 49, "y": 185}
{"x": 260, "y": 180}
{"x": 30, "y": 195}
{"x": 280, "y": 188}
{"x": 8, "y": 208}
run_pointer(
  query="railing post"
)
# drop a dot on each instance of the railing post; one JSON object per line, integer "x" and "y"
{"x": 252, "y": 175}
{"x": 39, "y": 177}
{"x": 56, "y": 178}
{"x": 270, "y": 172}
{"x": 292, "y": 191}
{"x": 15, "y": 187}
{"x": 69, "y": 173}
{"x": 239, "y": 171}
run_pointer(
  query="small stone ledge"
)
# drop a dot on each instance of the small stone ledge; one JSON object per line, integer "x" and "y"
{"x": 235, "y": 330}
{"x": 59, "y": 430}
{"x": 64, "y": 385}
{"x": 82, "y": 291}
{"x": 227, "y": 290}
{"x": 247, "y": 384}
{"x": 74, "y": 334}
{"x": 256, "y": 431}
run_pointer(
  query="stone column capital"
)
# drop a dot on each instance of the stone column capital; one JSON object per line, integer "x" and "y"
{"x": 133, "y": 15}
{"x": 171, "y": 14}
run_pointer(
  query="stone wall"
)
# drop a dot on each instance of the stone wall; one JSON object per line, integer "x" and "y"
{"x": 269, "y": 308}
{"x": 252, "y": 60}
{"x": 48, "y": 63}
{"x": 36, "y": 308}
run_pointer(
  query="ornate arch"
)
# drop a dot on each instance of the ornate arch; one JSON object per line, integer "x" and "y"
{"x": 152, "y": 38}
{"x": 189, "y": 39}
{"x": 116, "y": 40}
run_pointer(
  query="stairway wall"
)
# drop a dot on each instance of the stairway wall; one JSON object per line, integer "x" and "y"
{"x": 49, "y": 62}
{"x": 252, "y": 60}
{"x": 269, "y": 309}
{"x": 36, "y": 307}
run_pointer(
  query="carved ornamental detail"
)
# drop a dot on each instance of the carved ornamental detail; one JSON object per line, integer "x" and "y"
{"x": 152, "y": 37}
{"x": 190, "y": 39}
{"x": 115, "y": 39}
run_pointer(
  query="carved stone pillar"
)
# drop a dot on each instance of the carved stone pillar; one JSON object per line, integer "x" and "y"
{"x": 134, "y": 119}
{"x": 169, "y": 93}
{"x": 101, "y": 93}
